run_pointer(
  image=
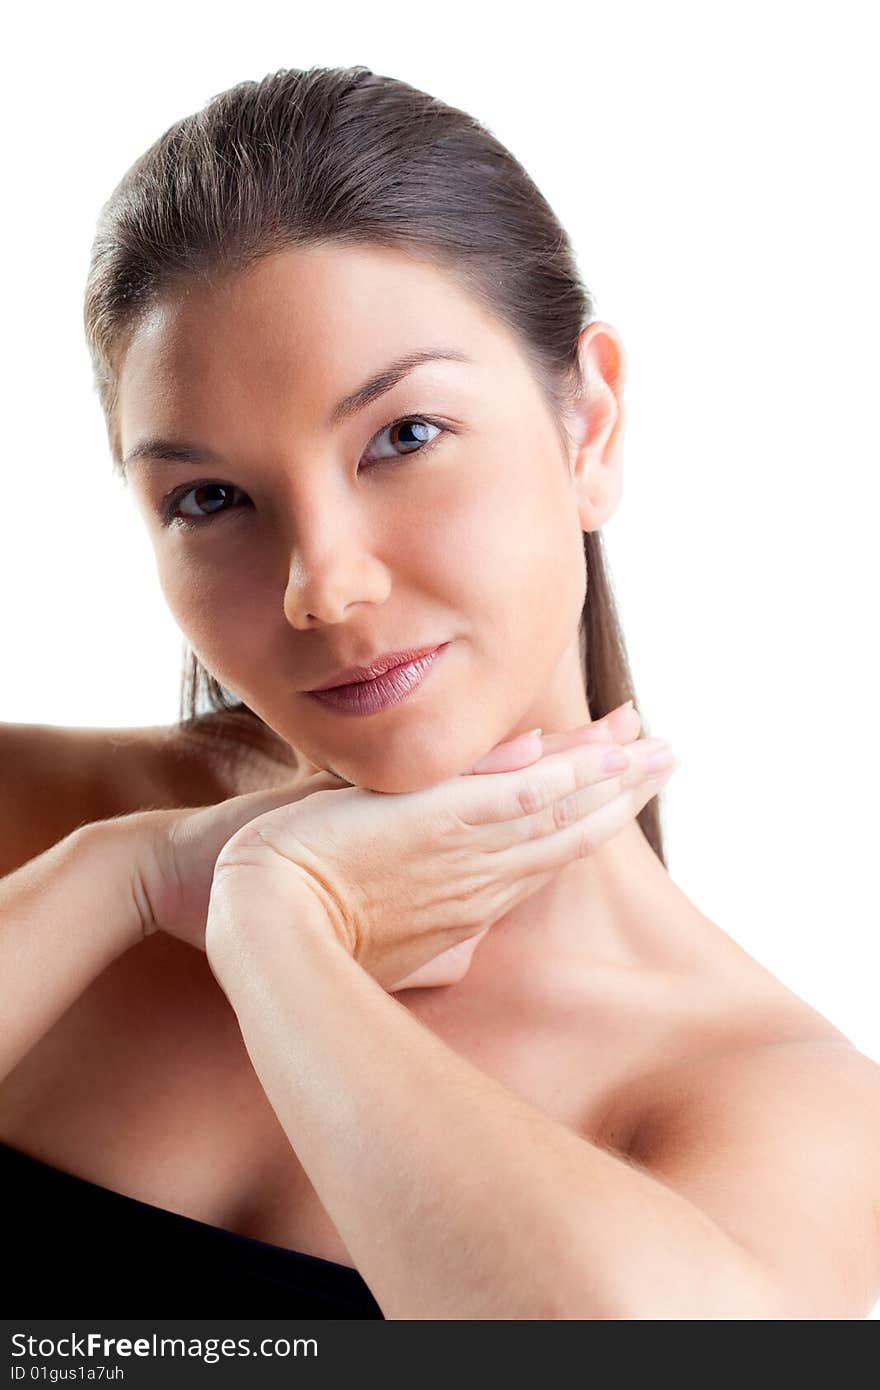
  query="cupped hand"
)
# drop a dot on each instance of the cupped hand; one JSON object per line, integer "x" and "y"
{"x": 177, "y": 850}
{"x": 621, "y": 725}
{"x": 401, "y": 880}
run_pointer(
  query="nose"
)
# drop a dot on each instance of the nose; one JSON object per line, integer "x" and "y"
{"x": 331, "y": 572}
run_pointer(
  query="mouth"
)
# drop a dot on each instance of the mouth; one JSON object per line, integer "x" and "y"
{"x": 390, "y": 685}
{"x": 354, "y": 675}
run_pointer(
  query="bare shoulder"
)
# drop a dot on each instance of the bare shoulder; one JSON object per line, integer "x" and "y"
{"x": 817, "y": 1069}
{"x": 55, "y": 778}
{"x": 236, "y": 752}
{"x": 779, "y": 1143}
{"x": 742, "y": 1031}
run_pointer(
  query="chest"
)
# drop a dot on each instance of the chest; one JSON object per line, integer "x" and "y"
{"x": 145, "y": 1086}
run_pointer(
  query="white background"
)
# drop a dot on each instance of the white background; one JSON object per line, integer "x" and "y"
{"x": 716, "y": 168}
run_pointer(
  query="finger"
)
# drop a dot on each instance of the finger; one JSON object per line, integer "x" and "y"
{"x": 505, "y": 796}
{"x": 573, "y": 805}
{"x": 583, "y": 837}
{"x": 619, "y": 726}
{"x": 512, "y": 754}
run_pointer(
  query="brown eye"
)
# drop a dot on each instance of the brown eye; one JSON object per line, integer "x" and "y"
{"x": 208, "y": 495}
{"x": 411, "y": 434}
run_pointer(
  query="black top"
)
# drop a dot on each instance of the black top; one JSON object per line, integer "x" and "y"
{"x": 72, "y": 1248}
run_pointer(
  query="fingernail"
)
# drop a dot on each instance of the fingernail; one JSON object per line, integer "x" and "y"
{"x": 663, "y": 757}
{"x": 619, "y": 709}
{"x": 532, "y": 731}
{"x": 615, "y": 760}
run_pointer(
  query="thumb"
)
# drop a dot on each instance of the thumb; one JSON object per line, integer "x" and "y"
{"x": 512, "y": 754}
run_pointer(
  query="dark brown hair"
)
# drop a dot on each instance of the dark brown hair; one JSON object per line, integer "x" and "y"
{"x": 348, "y": 157}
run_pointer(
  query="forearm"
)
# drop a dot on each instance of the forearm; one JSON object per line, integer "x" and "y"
{"x": 455, "y": 1198}
{"x": 64, "y": 917}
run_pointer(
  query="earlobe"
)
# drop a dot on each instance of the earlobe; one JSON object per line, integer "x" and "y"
{"x": 595, "y": 508}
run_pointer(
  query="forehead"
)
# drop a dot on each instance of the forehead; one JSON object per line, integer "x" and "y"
{"x": 297, "y": 327}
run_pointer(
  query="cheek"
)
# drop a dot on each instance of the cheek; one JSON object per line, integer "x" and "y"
{"x": 511, "y": 548}
{"x": 215, "y": 616}
{"x": 502, "y": 549}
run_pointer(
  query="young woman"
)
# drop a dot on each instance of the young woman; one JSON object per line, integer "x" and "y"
{"x": 462, "y": 1051}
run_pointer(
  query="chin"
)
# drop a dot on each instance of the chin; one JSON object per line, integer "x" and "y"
{"x": 412, "y": 770}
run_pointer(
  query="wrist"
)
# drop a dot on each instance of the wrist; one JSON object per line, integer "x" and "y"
{"x": 120, "y": 850}
{"x": 254, "y": 908}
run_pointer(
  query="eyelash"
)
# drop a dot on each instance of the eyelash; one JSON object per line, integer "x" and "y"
{"x": 172, "y": 500}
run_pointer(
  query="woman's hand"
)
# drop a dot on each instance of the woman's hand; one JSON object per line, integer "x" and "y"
{"x": 400, "y": 879}
{"x": 178, "y": 849}
{"x": 620, "y": 725}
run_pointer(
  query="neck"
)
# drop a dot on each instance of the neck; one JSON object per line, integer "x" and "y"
{"x": 614, "y": 914}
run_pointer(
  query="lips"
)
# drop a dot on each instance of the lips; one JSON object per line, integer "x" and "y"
{"x": 394, "y": 686}
{"x": 352, "y": 674}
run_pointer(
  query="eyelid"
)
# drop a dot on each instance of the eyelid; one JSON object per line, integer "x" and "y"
{"x": 172, "y": 498}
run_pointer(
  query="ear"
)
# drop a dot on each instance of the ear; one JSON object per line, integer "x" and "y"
{"x": 596, "y": 425}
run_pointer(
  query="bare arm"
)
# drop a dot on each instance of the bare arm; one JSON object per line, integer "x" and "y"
{"x": 84, "y": 868}
{"x": 455, "y": 1197}
{"x": 69, "y": 912}
{"x": 64, "y": 917}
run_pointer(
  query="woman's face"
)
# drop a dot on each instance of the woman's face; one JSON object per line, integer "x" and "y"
{"x": 298, "y": 542}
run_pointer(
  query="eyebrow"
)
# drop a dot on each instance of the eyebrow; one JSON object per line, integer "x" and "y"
{"x": 169, "y": 451}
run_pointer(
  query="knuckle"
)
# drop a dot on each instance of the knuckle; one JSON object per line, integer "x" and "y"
{"x": 565, "y": 812}
{"x": 531, "y": 796}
